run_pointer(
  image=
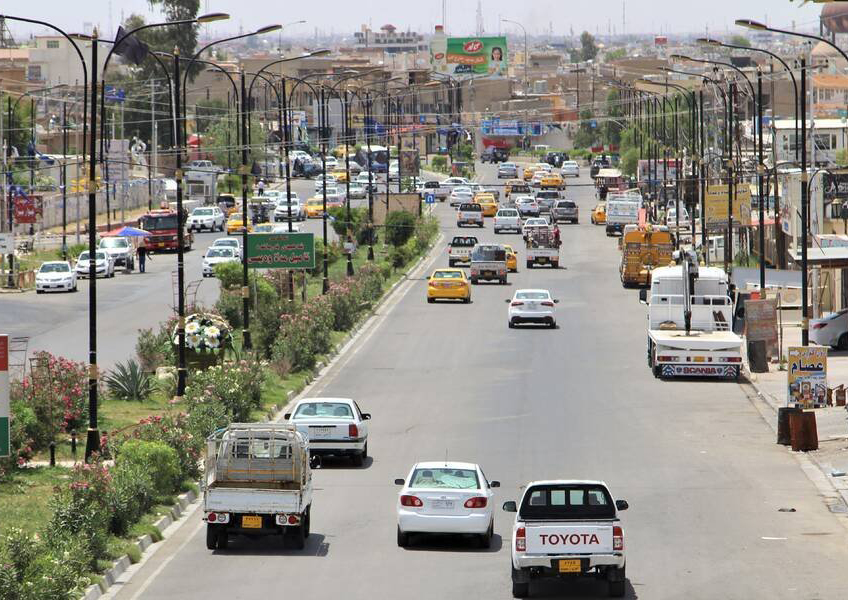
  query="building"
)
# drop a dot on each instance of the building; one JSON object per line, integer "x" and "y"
{"x": 390, "y": 40}
{"x": 52, "y": 60}
{"x": 827, "y": 136}
{"x": 13, "y": 69}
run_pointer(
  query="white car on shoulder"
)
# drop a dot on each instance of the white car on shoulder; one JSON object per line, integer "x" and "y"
{"x": 55, "y": 275}
{"x": 216, "y": 255}
{"x": 228, "y": 242}
{"x": 507, "y": 219}
{"x": 334, "y": 426}
{"x": 104, "y": 265}
{"x": 445, "y": 497}
{"x": 532, "y": 306}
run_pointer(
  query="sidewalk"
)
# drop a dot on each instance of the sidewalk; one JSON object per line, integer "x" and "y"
{"x": 831, "y": 422}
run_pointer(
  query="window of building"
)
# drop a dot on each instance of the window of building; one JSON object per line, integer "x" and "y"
{"x": 54, "y": 44}
{"x": 34, "y": 73}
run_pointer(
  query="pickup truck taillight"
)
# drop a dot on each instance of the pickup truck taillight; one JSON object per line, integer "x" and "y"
{"x": 410, "y": 501}
{"x": 520, "y": 540}
{"x": 352, "y": 431}
{"x": 478, "y": 502}
{"x": 617, "y": 539}
{"x": 734, "y": 359}
{"x": 218, "y": 517}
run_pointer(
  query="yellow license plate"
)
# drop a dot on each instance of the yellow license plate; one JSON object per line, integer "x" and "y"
{"x": 700, "y": 359}
{"x": 543, "y": 259}
{"x": 570, "y": 566}
{"x": 253, "y": 522}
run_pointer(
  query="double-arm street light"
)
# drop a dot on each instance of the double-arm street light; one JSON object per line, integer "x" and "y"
{"x": 526, "y": 57}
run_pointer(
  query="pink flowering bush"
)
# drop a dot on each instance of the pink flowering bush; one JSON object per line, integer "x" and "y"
{"x": 172, "y": 429}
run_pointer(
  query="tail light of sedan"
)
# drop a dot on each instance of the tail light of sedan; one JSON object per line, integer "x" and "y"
{"x": 547, "y": 303}
{"x": 410, "y": 501}
{"x": 352, "y": 431}
{"x": 520, "y": 540}
{"x": 476, "y": 502}
{"x": 516, "y": 303}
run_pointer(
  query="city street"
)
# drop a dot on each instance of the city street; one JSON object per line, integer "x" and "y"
{"x": 705, "y": 481}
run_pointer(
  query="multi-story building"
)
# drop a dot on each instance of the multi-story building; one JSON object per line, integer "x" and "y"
{"x": 390, "y": 40}
{"x": 52, "y": 60}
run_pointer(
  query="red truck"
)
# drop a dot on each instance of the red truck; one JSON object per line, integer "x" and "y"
{"x": 162, "y": 225}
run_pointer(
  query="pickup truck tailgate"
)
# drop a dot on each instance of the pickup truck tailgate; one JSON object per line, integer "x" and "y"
{"x": 241, "y": 500}
{"x": 550, "y": 538}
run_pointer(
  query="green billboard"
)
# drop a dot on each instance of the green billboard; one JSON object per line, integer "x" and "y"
{"x": 281, "y": 251}
{"x": 477, "y": 56}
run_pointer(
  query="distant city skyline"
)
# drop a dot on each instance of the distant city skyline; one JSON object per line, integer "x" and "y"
{"x": 343, "y": 18}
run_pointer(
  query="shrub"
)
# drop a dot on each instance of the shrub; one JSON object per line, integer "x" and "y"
{"x": 24, "y": 426}
{"x": 127, "y": 381}
{"x": 230, "y": 306}
{"x": 358, "y": 221}
{"x": 400, "y": 255}
{"x": 230, "y": 275}
{"x": 131, "y": 493}
{"x": 400, "y": 226}
{"x": 172, "y": 429}
{"x": 439, "y": 163}
{"x": 236, "y": 387}
{"x": 150, "y": 350}
{"x": 158, "y": 458}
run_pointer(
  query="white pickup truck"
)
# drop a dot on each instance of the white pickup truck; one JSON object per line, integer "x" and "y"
{"x": 690, "y": 322}
{"x": 469, "y": 213}
{"x": 258, "y": 481}
{"x": 566, "y": 529}
{"x": 542, "y": 246}
{"x": 488, "y": 262}
{"x": 459, "y": 249}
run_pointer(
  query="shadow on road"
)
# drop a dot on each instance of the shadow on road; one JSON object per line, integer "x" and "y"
{"x": 579, "y": 589}
{"x": 343, "y": 462}
{"x": 272, "y": 545}
{"x": 438, "y": 542}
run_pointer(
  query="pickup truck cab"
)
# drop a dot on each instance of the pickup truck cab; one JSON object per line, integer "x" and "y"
{"x": 459, "y": 250}
{"x": 469, "y": 213}
{"x": 566, "y": 529}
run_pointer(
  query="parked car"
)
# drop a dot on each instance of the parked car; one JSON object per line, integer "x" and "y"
{"x": 206, "y": 217}
{"x": 55, "y": 275}
{"x": 333, "y": 426}
{"x": 445, "y": 497}
{"x": 120, "y": 250}
{"x": 493, "y": 154}
{"x": 532, "y": 306}
{"x": 103, "y": 264}
{"x": 831, "y": 330}
{"x": 216, "y": 255}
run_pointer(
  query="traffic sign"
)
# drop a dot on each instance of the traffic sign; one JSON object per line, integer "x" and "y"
{"x": 5, "y": 412}
{"x": 430, "y": 198}
{"x": 280, "y": 251}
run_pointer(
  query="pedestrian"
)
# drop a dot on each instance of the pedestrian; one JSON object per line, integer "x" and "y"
{"x": 603, "y": 193}
{"x": 556, "y": 236}
{"x": 142, "y": 252}
{"x": 261, "y": 187}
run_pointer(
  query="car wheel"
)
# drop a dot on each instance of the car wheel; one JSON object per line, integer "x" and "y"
{"x": 485, "y": 540}
{"x": 511, "y": 324}
{"x": 431, "y": 300}
{"x": 295, "y": 537}
{"x": 451, "y": 262}
{"x": 358, "y": 459}
{"x": 617, "y": 587}
{"x": 466, "y": 300}
{"x": 39, "y": 291}
{"x": 520, "y": 589}
{"x": 552, "y": 324}
{"x": 843, "y": 342}
{"x": 75, "y": 288}
{"x": 529, "y": 264}
{"x": 402, "y": 538}
{"x": 307, "y": 521}
{"x": 211, "y": 536}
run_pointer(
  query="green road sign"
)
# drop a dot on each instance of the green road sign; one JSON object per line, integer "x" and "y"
{"x": 281, "y": 251}
{"x": 4, "y": 436}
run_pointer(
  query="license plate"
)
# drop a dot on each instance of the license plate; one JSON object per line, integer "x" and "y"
{"x": 320, "y": 431}
{"x": 161, "y": 244}
{"x": 487, "y": 274}
{"x": 442, "y": 503}
{"x": 699, "y": 359}
{"x": 570, "y": 566}
{"x": 251, "y": 522}
{"x": 543, "y": 259}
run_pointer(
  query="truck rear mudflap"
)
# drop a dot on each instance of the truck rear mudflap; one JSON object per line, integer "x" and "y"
{"x": 700, "y": 370}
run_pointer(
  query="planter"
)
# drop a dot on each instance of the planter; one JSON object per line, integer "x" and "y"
{"x": 203, "y": 360}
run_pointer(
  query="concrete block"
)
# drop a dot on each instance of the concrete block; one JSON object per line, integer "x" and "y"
{"x": 92, "y": 592}
{"x": 162, "y": 524}
{"x": 144, "y": 542}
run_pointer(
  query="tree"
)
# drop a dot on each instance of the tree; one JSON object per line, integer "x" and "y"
{"x": 183, "y": 37}
{"x": 616, "y": 54}
{"x": 588, "y": 48}
{"x": 586, "y": 136}
{"x": 740, "y": 40}
{"x": 612, "y": 126}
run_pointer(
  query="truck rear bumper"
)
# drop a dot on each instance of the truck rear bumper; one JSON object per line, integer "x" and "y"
{"x": 699, "y": 370}
{"x": 337, "y": 447}
{"x": 545, "y": 565}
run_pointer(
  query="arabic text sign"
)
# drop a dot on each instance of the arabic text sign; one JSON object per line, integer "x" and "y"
{"x": 4, "y": 396}
{"x": 281, "y": 251}
{"x": 716, "y": 206}
{"x": 807, "y": 376}
{"x": 477, "y": 56}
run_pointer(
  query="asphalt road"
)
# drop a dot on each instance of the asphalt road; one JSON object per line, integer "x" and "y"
{"x": 698, "y": 465}
{"x": 58, "y": 322}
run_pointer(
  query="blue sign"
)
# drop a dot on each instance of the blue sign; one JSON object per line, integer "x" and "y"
{"x": 114, "y": 94}
{"x": 430, "y": 198}
{"x": 593, "y": 123}
{"x": 422, "y": 119}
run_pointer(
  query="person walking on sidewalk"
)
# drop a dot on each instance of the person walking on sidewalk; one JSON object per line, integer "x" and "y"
{"x": 261, "y": 187}
{"x": 142, "y": 252}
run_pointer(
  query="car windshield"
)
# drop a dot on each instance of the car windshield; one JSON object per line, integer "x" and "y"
{"x": 202, "y": 212}
{"x": 453, "y": 479}
{"x": 159, "y": 223}
{"x": 535, "y": 223}
{"x": 114, "y": 243}
{"x": 324, "y": 410}
{"x": 567, "y": 502}
{"x": 507, "y": 213}
{"x": 97, "y": 256}
{"x": 54, "y": 268}
{"x": 230, "y": 243}
{"x": 447, "y": 275}
{"x": 532, "y": 295}
{"x": 567, "y": 204}
{"x": 219, "y": 252}
{"x": 470, "y": 207}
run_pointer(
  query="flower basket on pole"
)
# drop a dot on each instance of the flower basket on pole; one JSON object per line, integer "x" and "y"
{"x": 207, "y": 336}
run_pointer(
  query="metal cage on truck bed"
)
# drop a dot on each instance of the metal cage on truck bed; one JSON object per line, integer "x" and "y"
{"x": 257, "y": 455}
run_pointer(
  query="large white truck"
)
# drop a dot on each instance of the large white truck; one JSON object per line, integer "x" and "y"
{"x": 258, "y": 481}
{"x": 201, "y": 186}
{"x": 622, "y": 209}
{"x": 542, "y": 246}
{"x": 567, "y": 529}
{"x": 690, "y": 322}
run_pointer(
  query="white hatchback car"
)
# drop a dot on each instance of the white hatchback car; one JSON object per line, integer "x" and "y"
{"x": 55, "y": 275}
{"x": 532, "y": 306}
{"x": 445, "y": 497}
{"x": 334, "y": 426}
{"x": 507, "y": 219}
{"x": 228, "y": 242}
{"x": 216, "y": 255}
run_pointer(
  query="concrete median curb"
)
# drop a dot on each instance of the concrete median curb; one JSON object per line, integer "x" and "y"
{"x": 111, "y": 575}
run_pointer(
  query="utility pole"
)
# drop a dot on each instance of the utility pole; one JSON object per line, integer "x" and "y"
{"x": 64, "y": 177}
{"x": 805, "y": 332}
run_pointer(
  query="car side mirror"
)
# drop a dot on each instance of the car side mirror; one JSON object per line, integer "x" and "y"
{"x": 643, "y": 296}
{"x": 509, "y": 506}
{"x": 287, "y": 416}
{"x": 494, "y": 484}
{"x": 399, "y": 481}
{"x": 507, "y": 301}
{"x": 621, "y": 505}
{"x": 556, "y": 301}
{"x": 315, "y": 462}
{"x": 366, "y": 416}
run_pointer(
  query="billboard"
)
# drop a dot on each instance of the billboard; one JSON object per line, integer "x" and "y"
{"x": 281, "y": 251}
{"x": 409, "y": 163}
{"x": 716, "y": 205}
{"x": 477, "y": 56}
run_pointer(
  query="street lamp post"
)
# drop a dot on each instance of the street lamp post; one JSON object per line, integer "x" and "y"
{"x": 526, "y": 81}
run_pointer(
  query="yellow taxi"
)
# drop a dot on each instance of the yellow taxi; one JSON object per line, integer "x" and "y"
{"x": 511, "y": 183}
{"x": 340, "y": 175}
{"x": 235, "y": 224}
{"x": 315, "y": 207}
{"x": 552, "y": 181}
{"x": 511, "y": 259}
{"x": 529, "y": 172}
{"x": 448, "y": 284}
{"x": 599, "y": 214}
{"x": 487, "y": 202}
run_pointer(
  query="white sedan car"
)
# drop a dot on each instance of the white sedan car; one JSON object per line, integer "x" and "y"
{"x": 532, "y": 306}
{"x": 334, "y": 426}
{"x": 830, "y": 330}
{"x": 445, "y": 497}
{"x": 570, "y": 168}
{"x": 322, "y": 180}
{"x": 228, "y": 242}
{"x": 217, "y": 255}
{"x": 55, "y": 275}
{"x": 104, "y": 265}
{"x": 507, "y": 219}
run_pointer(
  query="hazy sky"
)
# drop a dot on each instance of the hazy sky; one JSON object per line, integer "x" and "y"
{"x": 345, "y": 16}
